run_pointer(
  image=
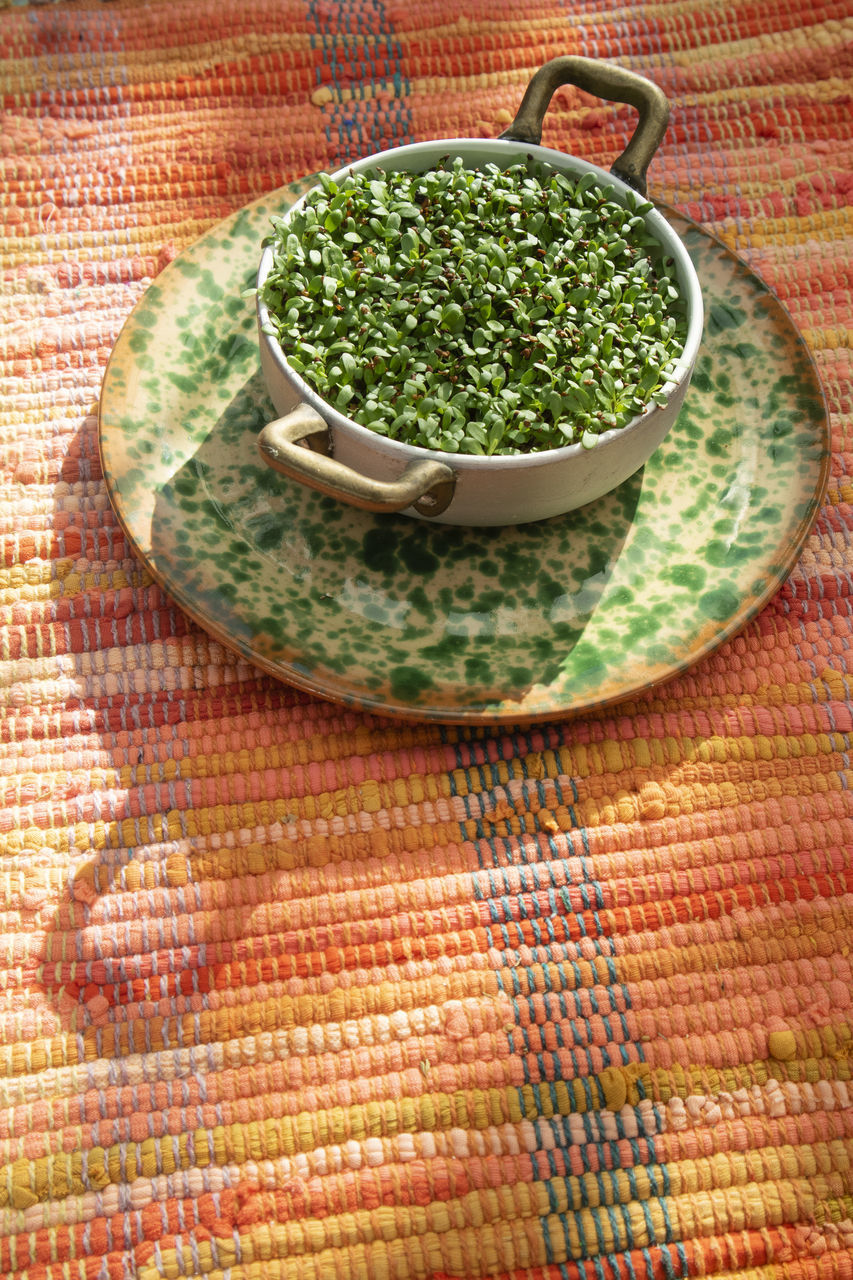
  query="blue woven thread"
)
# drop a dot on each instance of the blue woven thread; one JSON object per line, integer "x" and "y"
{"x": 359, "y": 50}
{"x": 534, "y": 892}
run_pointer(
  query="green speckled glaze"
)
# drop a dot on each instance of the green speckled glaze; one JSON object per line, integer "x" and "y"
{"x": 436, "y": 622}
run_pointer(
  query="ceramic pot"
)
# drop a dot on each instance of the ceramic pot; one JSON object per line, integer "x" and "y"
{"x": 317, "y": 445}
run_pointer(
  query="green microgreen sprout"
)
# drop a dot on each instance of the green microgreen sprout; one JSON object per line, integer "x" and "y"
{"x": 476, "y": 311}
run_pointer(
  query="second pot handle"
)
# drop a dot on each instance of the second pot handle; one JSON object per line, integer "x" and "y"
{"x": 605, "y": 80}
{"x": 425, "y": 485}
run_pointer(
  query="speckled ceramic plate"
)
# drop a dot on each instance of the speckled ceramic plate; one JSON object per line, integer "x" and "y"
{"x": 442, "y": 623}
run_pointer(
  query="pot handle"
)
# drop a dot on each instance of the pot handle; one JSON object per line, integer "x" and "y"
{"x": 427, "y": 486}
{"x": 605, "y": 80}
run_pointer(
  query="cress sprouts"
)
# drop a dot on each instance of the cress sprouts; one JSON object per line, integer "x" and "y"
{"x": 486, "y": 312}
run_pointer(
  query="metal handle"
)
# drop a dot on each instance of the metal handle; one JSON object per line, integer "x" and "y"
{"x": 616, "y": 84}
{"x": 427, "y": 486}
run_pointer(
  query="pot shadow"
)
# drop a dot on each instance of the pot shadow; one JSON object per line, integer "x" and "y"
{"x": 385, "y": 607}
{"x": 114, "y": 754}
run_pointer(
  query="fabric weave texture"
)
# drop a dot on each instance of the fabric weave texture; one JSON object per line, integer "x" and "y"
{"x": 290, "y": 990}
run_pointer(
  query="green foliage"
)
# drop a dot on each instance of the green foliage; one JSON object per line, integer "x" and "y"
{"x": 487, "y": 312}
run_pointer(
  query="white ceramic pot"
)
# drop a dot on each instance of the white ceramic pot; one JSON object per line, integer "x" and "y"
{"x": 314, "y": 443}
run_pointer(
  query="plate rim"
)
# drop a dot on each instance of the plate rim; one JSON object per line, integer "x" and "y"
{"x": 496, "y": 715}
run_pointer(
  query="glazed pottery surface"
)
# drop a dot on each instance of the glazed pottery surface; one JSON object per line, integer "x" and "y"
{"x": 433, "y": 622}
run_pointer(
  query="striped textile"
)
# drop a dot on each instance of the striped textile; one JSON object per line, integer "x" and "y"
{"x": 294, "y": 991}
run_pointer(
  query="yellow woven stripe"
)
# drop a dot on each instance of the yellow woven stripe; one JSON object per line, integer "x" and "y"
{"x": 305, "y": 851}
{"x": 823, "y": 1053}
{"x": 54, "y": 1176}
{"x": 48, "y": 579}
{"x": 654, "y": 967}
{"x": 600, "y": 762}
{"x": 275, "y": 1269}
{"x": 828, "y": 224}
{"x": 842, "y": 494}
{"x": 409, "y": 1241}
{"x": 27, "y": 1182}
{"x": 139, "y": 67}
{"x": 17, "y": 251}
{"x": 509, "y": 79}
{"x": 599, "y": 766}
{"x": 266, "y": 853}
{"x": 698, "y": 1205}
{"x": 831, "y": 339}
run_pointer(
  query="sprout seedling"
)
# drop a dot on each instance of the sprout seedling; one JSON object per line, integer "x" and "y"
{"x": 493, "y": 311}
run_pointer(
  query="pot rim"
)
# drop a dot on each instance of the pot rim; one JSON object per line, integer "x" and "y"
{"x": 432, "y": 151}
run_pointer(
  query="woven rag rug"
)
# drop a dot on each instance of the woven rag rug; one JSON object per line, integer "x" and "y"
{"x": 294, "y": 990}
